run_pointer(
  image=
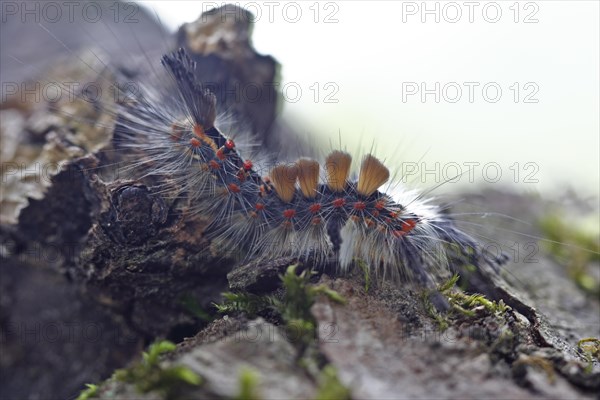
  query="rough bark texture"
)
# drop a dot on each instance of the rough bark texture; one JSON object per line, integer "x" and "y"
{"x": 95, "y": 268}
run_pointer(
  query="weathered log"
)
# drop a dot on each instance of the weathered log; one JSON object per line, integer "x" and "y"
{"x": 95, "y": 267}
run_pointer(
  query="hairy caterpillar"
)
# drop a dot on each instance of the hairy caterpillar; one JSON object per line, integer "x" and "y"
{"x": 290, "y": 212}
{"x": 176, "y": 136}
{"x": 334, "y": 210}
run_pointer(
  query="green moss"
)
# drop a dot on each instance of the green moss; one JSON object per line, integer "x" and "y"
{"x": 300, "y": 331}
{"x": 148, "y": 375}
{"x": 441, "y": 320}
{"x": 300, "y": 295}
{"x": 248, "y": 382}
{"x": 330, "y": 386}
{"x": 249, "y": 303}
{"x": 449, "y": 284}
{"x": 575, "y": 248}
{"x": 90, "y": 392}
{"x": 366, "y": 272}
{"x": 462, "y": 305}
{"x": 467, "y": 304}
{"x": 590, "y": 347}
{"x": 294, "y": 308}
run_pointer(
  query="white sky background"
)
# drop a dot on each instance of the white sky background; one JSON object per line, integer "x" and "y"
{"x": 373, "y": 58}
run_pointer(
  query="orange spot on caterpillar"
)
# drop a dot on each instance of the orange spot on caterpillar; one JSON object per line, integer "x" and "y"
{"x": 201, "y": 134}
{"x": 252, "y": 214}
{"x": 259, "y": 206}
{"x": 380, "y": 205}
{"x": 359, "y": 205}
{"x": 248, "y": 165}
{"x": 316, "y": 221}
{"x": 199, "y": 131}
{"x": 234, "y": 188}
{"x": 289, "y": 213}
{"x": 195, "y": 143}
{"x": 229, "y": 144}
{"x": 408, "y": 225}
{"x": 241, "y": 175}
{"x": 214, "y": 164}
{"x": 314, "y": 208}
{"x": 393, "y": 214}
{"x": 221, "y": 154}
{"x": 355, "y": 218}
{"x": 339, "y": 202}
{"x": 286, "y": 224}
{"x": 376, "y": 213}
{"x": 369, "y": 222}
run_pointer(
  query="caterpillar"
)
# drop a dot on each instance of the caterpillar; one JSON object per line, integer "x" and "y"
{"x": 337, "y": 210}
{"x": 171, "y": 129}
{"x": 303, "y": 209}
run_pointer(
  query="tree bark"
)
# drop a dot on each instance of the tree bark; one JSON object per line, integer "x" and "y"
{"x": 95, "y": 267}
